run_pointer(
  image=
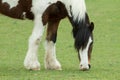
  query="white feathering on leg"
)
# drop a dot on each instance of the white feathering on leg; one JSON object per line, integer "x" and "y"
{"x": 51, "y": 61}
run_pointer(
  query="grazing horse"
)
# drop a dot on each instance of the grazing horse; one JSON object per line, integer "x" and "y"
{"x": 50, "y": 13}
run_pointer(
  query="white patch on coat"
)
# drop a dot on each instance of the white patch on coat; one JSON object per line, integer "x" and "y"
{"x": 84, "y": 56}
{"x": 24, "y": 15}
{"x": 78, "y": 8}
{"x": 31, "y": 59}
{"x": 12, "y": 3}
{"x": 51, "y": 61}
{"x": 39, "y": 6}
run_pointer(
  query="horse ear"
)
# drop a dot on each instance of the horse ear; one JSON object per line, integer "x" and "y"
{"x": 91, "y": 27}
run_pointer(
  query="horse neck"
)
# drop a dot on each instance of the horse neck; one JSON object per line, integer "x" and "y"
{"x": 77, "y": 7}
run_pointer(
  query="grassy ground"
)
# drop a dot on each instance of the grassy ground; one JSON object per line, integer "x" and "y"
{"x": 105, "y": 57}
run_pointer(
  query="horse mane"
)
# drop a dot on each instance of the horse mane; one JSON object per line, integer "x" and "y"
{"x": 82, "y": 35}
{"x": 78, "y": 9}
{"x": 82, "y": 30}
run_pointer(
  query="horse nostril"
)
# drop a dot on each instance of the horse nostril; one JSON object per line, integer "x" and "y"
{"x": 89, "y": 66}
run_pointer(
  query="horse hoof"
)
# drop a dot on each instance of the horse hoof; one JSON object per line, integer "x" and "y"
{"x": 32, "y": 68}
{"x": 52, "y": 65}
{"x": 54, "y": 68}
{"x": 35, "y": 69}
{"x": 58, "y": 68}
{"x": 32, "y": 65}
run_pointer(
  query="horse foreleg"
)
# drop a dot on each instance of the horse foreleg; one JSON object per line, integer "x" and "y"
{"x": 51, "y": 61}
{"x": 31, "y": 59}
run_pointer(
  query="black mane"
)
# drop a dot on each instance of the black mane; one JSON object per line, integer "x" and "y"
{"x": 82, "y": 30}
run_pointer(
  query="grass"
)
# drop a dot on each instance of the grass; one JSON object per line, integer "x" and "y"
{"x": 105, "y": 57}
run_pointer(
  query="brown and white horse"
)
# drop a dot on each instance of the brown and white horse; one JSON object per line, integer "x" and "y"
{"x": 50, "y": 12}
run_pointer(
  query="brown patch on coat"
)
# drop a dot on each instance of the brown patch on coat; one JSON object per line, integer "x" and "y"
{"x": 17, "y": 12}
{"x": 90, "y": 50}
{"x": 52, "y": 15}
{"x": 52, "y": 30}
{"x": 54, "y": 12}
{"x": 89, "y": 53}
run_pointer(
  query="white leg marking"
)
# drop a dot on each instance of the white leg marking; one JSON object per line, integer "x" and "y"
{"x": 84, "y": 56}
{"x": 31, "y": 59}
{"x": 51, "y": 61}
{"x": 12, "y": 3}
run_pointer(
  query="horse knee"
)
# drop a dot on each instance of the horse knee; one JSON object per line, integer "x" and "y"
{"x": 52, "y": 37}
{"x": 34, "y": 40}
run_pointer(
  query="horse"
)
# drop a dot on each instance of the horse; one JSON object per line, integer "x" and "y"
{"x": 50, "y": 13}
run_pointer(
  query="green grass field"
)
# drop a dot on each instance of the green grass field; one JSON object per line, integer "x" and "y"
{"x": 14, "y": 36}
